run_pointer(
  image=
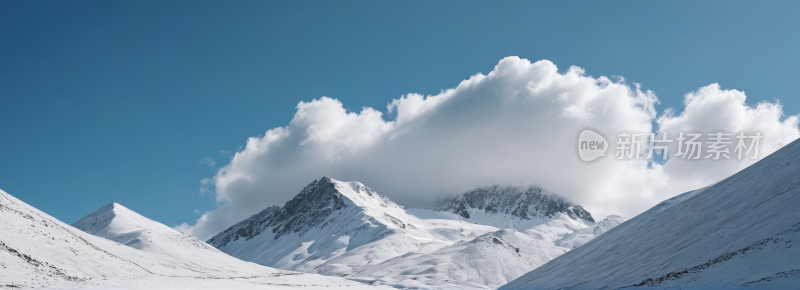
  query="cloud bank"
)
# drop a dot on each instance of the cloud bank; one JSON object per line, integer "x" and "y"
{"x": 514, "y": 126}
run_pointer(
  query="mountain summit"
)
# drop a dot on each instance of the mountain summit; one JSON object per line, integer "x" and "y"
{"x": 513, "y": 207}
{"x": 308, "y": 209}
{"x": 122, "y": 225}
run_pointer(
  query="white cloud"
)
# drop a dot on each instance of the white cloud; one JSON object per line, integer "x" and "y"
{"x": 515, "y": 125}
{"x": 208, "y": 161}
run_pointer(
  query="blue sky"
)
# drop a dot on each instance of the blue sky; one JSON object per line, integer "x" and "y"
{"x": 120, "y": 101}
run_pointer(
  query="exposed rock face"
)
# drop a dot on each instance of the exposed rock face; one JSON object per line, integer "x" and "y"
{"x": 246, "y": 229}
{"x": 524, "y": 203}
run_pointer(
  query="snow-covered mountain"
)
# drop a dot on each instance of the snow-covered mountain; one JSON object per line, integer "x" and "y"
{"x": 738, "y": 233}
{"x": 37, "y": 250}
{"x": 518, "y": 208}
{"x": 335, "y": 228}
{"x": 346, "y": 229}
{"x": 122, "y": 225}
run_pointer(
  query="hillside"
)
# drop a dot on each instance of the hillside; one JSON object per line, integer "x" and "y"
{"x": 739, "y": 232}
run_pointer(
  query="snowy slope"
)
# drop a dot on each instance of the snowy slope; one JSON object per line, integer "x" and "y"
{"x": 739, "y": 232}
{"x": 490, "y": 260}
{"x": 335, "y": 228}
{"x": 37, "y": 250}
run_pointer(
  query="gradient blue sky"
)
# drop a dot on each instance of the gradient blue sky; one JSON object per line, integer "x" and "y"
{"x": 112, "y": 101}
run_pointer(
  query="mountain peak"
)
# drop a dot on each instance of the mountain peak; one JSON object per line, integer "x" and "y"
{"x": 120, "y": 224}
{"x": 109, "y": 212}
{"x": 308, "y": 209}
{"x": 523, "y": 203}
{"x": 114, "y": 218}
{"x": 353, "y": 191}
{"x": 113, "y": 207}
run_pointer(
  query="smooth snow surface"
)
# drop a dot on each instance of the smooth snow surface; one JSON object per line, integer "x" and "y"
{"x": 738, "y": 233}
{"x": 37, "y": 250}
{"x": 346, "y": 229}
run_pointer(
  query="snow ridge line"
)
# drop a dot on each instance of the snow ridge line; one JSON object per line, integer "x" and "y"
{"x": 722, "y": 258}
